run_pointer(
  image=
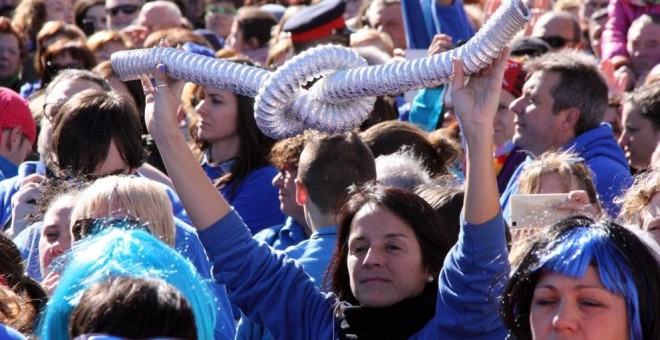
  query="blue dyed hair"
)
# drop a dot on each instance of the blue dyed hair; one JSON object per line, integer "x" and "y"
{"x": 133, "y": 253}
{"x": 624, "y": 263}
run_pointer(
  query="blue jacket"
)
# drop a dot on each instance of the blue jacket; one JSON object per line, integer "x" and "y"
{"x": 7, "y": 168}
{"x": 269, "y": 286}
{"x": 604, "y": 158}
{"x": 282, "y": 236}
{"x": 314, "y": 256}
{"x": 10, "y": 186}
{"x": 423, "y": 19}
{"x": 255, "y": 198}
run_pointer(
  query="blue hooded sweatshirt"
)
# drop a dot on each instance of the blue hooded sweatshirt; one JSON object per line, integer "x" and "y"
{"x": 604, "y": 158}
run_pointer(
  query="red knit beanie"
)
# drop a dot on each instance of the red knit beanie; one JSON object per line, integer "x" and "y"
{"x": 14, "y": 111}
{"x": 514, "y": 78}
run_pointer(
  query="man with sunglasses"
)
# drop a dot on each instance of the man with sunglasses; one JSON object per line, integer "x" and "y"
{"x": 121, "y": 13}
{"x": 558, "y": 29}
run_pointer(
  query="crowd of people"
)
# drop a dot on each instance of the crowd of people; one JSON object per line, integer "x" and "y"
{"x": 521, "y": 202}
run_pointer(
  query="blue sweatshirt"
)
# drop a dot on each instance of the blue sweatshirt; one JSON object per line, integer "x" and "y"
{"x": 423, "y": 19}
{"x": 255, "y": 198}
{"x": 282, "y": 236}
{"x": 270, "y": 287}
{"x": 604, "y": 158}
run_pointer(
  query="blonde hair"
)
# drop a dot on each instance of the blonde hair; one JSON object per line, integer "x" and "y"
{"x": 637, "y": 197}
{"x": 140, "y": 197}
{"x": 570, "y": 167}
{"x": 101, "y": 38}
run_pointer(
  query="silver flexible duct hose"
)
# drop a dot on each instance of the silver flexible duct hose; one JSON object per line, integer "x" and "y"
{"x": 345, "y": 94}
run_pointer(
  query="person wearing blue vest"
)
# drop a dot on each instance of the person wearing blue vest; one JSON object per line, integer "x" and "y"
{"x": 388, "y": 268}
{"x": 562, "y": 107}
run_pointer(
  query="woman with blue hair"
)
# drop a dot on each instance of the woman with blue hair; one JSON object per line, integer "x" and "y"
{"x": 589, "y": 278}
{"x": 118, "y": 251}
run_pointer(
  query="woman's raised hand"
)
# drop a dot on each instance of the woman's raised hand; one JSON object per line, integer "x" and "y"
{"x": 476, "y": 101}
{"x": 163, "y": 97}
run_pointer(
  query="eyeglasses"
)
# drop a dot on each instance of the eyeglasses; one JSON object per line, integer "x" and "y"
{"x": 556, "y": 41}
{"x": 126, "y": 9}
{"x": 85, "y": 227}
{"x": 51, "y": 109}
{"x": 216, "y": 9}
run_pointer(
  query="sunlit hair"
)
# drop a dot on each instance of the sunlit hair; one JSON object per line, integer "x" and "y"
{"x": 626, "y": 262}
{"x": 286, "y": 152}
{"x": 402, "y": 169}
{"x": 140, "y": 197}
{"x": 638, "y": 196}
{"x": 570, "y": 167}
{"x": 115, "y": 252}
{"x": 51, "y": 32}
{"x": 431, "y": 235}
{"x": 101, "y": 38}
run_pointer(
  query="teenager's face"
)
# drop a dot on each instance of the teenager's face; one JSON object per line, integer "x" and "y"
{"x": 638, "y": 138}
{"x": 384, "y": 258}
{"x": 55, "y": 236}
{"x": 565, "y": 307}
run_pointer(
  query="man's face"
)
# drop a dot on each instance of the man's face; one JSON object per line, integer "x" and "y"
{"x": 121, "y": 13}
{"x": 644, "y": 47}
{"x": 536, "y": 125}
{"x": 10, "y": 58}
{"x": 588, "y": 7}
{"x": 58, "y": 96}
{"x": 388, "y": 19}
{"x": 595, "y": 33}
{"x": 557, "y": 31}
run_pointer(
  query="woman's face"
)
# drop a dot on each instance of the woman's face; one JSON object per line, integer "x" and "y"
{"x": 565, "y": 307}
{"x": 104, "y": 52}
{"x": 59, "y": 10}
{"x": 504, "y": 125}
{"x": 639, "y": 137}
{"x": 218, "y": 115}
{"x": 651, "y": 217}
{"x": 96, "y": 15}
{"x": 218, "y": 18}
{"x": 10, "y": 55}
{"x": 55, "y": 236}
{"x": 384, "y": 258}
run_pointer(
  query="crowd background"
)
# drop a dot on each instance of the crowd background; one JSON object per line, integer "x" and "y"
{"x": 152, "y": 208}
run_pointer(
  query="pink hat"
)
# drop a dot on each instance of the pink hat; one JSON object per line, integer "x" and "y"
{"x": 14, "y": 111}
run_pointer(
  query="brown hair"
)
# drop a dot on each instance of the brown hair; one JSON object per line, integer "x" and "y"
{"x": 28, "y": 18}
{"x": 86, "y": 125}
{"x": 286, "y": 152}
{"x": 75, "y": 49}
{"x": 638, "y": 196}
{"x": 101, "y": 38}
{"x": 134, "y": 308}
{"x": 51, "y": 32}
{"x": 389, "y": 136}
{"x": 330, "y": 164}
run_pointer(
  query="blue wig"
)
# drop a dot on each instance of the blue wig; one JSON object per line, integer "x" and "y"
{"x": 572, "y": 253}
{"x": 135, "y": 253}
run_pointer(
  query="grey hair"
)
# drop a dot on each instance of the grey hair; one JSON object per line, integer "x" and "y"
{"x": 402, "y": 169}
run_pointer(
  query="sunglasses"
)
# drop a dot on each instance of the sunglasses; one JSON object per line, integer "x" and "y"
{"x": 126, "y": 9}
{"x": 55, "y": 68}
{"x": 220, "y": 10}
{"x": 85, "y": 227}
{"x": 556, "y": 41}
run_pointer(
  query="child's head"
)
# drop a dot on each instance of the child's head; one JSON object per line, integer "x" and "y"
{"x": 557, "y": 172}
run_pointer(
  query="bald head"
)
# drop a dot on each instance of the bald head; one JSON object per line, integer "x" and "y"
{"x": 158, "y": 15}
{"x": 559, "y": 29}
